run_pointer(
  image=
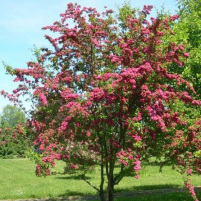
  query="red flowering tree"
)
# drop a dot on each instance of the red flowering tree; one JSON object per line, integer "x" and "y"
{"x": 104, "y": 95}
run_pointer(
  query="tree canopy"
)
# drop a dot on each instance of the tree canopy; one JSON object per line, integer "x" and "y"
{"x": 11, "y": 116}
{"x": 13, "y": 141}
{"x": 105, "y": 95}
{"x": 188, "y": 31}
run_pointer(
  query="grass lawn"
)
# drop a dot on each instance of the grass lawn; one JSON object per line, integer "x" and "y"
{"x": 18, "y": 181}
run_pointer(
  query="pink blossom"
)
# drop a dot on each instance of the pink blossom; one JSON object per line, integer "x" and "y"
{"x": 147, "y": 8}
{"x": 96, "y": 43}
{"x": 88, "y": 134}
{"x": 189, "y": 171}
{"x": 58, "y": 156}
{"x": 137, "y": 166}
{"x": 186, "y": 54}
{"x": 124, "y": 162}
{"x": 43, "y": 99}
{"x": 137, "y": 176}
{"x": 136, "y": 138}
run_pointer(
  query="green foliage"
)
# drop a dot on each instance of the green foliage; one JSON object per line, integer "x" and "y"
{"x": 11, "y": 116}
{"x": 188, "y": 31}
{"x": 126, "y": 11}
{"x": 13, "y": 140}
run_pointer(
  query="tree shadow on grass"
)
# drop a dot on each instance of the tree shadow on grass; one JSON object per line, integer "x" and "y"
{"x": 152, "y": 192}
{"x": 121, "y": 192}
{"x": 74, "y": 177}
{"x": 69, "y": 195}
{"x": 147, "y": 187}
{"x": 75, "y": 195}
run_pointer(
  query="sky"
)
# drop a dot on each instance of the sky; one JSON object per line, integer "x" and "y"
{"x": 20, "y": 29}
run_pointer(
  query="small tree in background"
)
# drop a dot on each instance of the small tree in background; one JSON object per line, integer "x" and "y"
{"x": 11, "y": 116}
{"x": 13, "y": 142}
{"x": 12, "y": 134}
{"x": 105, "y": 96}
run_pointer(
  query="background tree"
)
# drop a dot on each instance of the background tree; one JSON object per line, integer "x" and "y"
{"x": 11, "y": 116}
{"x": 188, "y": 31}
{"x": 106, "y": 96}
{"x": 13, "y": 141}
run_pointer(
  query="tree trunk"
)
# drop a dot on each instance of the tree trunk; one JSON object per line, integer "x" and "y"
{"x": 110, "y": 192}
{"x": 102, "y": 196}
{"x": 110, "y": 189}
{"x": 101, "y": 192}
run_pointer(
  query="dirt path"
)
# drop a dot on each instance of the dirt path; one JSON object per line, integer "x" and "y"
{"x": 118, "y": 194}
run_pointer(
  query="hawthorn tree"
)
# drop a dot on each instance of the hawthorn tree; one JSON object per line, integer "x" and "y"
{"x": 104, "y": 95}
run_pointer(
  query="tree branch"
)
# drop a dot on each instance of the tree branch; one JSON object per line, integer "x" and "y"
{"x": 88, "y": 182}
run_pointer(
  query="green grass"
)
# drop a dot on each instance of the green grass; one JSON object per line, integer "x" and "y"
{"x": 18, "y": 181}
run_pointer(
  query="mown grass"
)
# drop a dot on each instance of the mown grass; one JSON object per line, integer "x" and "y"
{"x": 18, "y": 181}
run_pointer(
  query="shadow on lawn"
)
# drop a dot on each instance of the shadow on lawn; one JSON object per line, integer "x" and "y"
{"x": 121, "y": 191}
{"x": 148, "y": 193}
{"x": 70, "y": 195}
{"x": 74, "y": 194}
{"x": 147, "y": 187}
{"x": 75, "y": 177}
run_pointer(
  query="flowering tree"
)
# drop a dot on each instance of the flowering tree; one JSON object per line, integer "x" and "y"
{"x": 104, "y": 95}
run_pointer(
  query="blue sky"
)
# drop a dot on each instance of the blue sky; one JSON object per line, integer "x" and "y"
{"x": 20, "y": 28}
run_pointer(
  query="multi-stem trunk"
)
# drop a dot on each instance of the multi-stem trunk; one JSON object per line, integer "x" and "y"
{"x": 110, "y": 186}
